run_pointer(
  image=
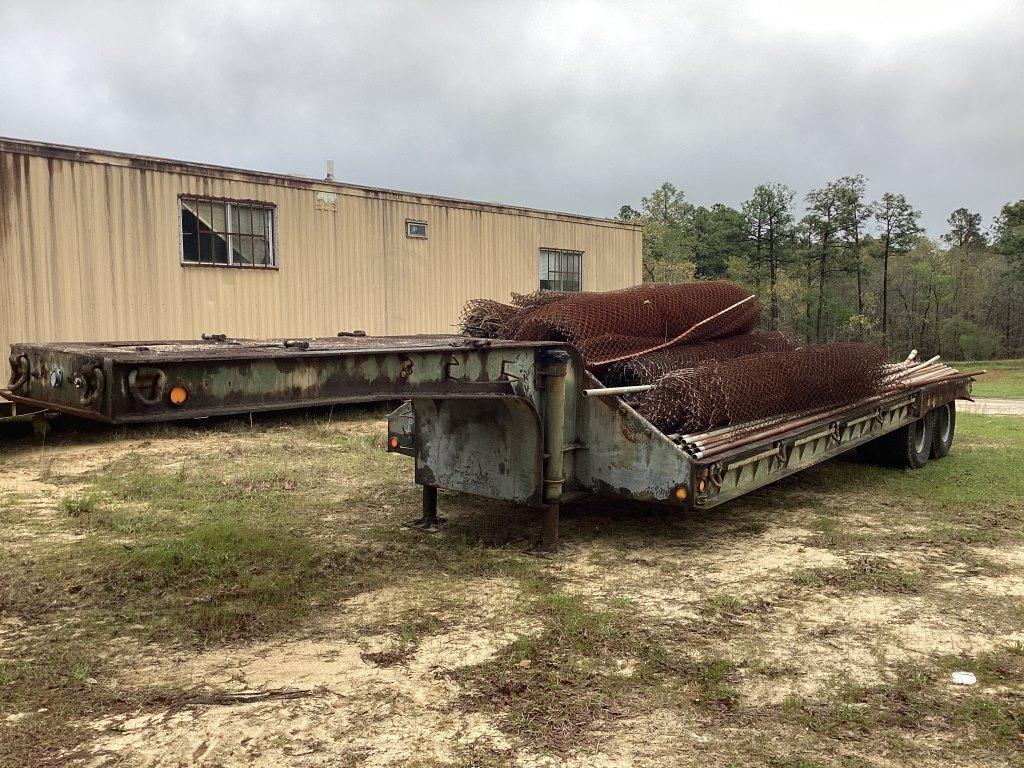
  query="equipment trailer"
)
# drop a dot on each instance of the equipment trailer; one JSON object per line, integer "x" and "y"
{"x": 517, "y": 421}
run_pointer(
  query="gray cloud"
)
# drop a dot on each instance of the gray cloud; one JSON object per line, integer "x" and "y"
{"x": 575, "y": 106}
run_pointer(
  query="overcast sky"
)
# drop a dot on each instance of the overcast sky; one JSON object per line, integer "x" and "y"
{"x": 571, "y": 106}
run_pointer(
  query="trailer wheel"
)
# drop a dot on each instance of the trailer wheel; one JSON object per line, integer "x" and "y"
{"x": 943, "y": 429}
{"x": 909, "y": 447}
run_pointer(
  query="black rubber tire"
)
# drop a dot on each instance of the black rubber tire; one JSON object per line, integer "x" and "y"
{"x": 909, "y": 447}
{"x": 943, "y": 429}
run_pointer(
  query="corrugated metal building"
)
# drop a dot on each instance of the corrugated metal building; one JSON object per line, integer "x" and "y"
{"x": 109, "y": 246}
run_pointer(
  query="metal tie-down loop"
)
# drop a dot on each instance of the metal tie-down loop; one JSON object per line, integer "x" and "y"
{"x": 782, "y": 453}
{"x": 835, "y": 434}
{"x": 93, "y": 386}
{"x": 20, "y": 371}
{"x": 715, "y": 476}
{"x": 878, "y": 416}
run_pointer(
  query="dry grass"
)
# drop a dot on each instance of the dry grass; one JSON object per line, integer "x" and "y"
{"x": 815, "y": 623}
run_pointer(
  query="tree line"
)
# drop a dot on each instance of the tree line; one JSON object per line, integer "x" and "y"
{"x": 838, "y": 266}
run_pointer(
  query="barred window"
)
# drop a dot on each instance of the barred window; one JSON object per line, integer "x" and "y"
{"x": 227, "y": 233}
{"x": 561, "y": 270}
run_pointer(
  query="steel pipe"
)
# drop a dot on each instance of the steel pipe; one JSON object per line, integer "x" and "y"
{"x": 602, "y": 391}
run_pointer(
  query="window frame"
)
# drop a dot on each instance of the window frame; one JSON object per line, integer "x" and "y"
{"x": 418, "y": 222}
{"x": 547, "y": 250}
{"x": 268, "y": 207}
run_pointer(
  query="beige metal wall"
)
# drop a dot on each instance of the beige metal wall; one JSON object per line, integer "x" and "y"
{"x": 90, "y": 250}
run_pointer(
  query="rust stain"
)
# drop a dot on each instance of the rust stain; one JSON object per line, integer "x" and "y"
{"x": 9, "y": 188}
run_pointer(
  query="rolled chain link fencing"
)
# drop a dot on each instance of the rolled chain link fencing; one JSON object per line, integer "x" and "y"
{"x": 695, "y": 342}
{"x": 744, "y": 389}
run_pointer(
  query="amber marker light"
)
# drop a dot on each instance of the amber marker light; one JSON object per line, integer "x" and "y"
{"x": 680, "y": 493}
{"x": 393, "y": 442}
{"x": 178, "y": 394}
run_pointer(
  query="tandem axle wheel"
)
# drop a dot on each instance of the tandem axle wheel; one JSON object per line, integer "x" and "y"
{"x": 910, "y": 446}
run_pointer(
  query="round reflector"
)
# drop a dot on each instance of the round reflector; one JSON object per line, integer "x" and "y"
{"x": 393, "y": 442}
{"x": 178, "y": 394}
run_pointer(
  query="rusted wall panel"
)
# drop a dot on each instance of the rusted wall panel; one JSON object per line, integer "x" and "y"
{"x": 89, "y": 250}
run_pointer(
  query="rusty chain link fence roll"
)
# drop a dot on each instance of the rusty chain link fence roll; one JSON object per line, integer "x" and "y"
{"x": 695, "y": 343}
{"x": 649, "y": 367}
{"x": 608, "y": 325}
{"x": 489, "y": 319}
{"x": 743, "y": 389}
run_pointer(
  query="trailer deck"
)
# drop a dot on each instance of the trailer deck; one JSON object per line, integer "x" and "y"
{"x": 519, "y": 421}
{"x": 131, "y": 381}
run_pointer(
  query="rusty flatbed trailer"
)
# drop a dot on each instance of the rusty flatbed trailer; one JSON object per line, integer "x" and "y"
{"x": 518, "y": 421}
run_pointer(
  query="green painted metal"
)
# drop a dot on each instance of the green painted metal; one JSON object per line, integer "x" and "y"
{"x": 732, "y": 474}
{"x": 504, "y": 420}
{"x": 134, "y": 379}
{"x": 625, "y": 455}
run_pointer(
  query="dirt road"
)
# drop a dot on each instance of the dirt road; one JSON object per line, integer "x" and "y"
{"x": 993, "y": 406}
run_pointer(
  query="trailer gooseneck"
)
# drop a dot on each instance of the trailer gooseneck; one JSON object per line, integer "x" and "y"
{"x": 517, "y": 421}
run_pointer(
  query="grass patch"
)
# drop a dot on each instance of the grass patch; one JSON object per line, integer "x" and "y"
{"x": 50, "y": 690}
{"x": 921, "y": 699}
{"x": 240, "y": 547}
{"x": 834, "y": 534}
{"x": 585, "y": 668}
{"x": 722, "y": 605}
{"x": 80, "y": 505}
{"x": 984, "y": 471}
{"x": 866, "y": 574}
{"x": 1004, "y": 378}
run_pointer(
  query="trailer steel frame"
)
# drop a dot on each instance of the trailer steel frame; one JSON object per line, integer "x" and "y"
{"x": 499, "y": 419}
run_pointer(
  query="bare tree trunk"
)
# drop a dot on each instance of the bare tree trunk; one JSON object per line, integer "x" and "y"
{"x": 821, "y": 288}
{"x": 860, "y": 292}
{"x": 856, "y": 256}
{"x": 807, "y": 297}
{"x": 885, "y": 289}
{"x": 773, "y": 278}
{"x": 1006, "y": 329}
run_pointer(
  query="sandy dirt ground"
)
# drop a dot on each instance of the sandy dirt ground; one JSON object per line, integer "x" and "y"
{"x": 330, "y": 700}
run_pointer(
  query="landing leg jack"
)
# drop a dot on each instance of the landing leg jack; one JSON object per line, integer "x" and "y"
{"x": 549, "y": 539}
{"x": 429, "y": 521}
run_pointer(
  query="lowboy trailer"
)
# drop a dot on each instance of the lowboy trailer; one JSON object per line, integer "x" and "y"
{"x": 518, "y": 421}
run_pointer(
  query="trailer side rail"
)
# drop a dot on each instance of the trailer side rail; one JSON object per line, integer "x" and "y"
{"x": 724, "y": 477}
